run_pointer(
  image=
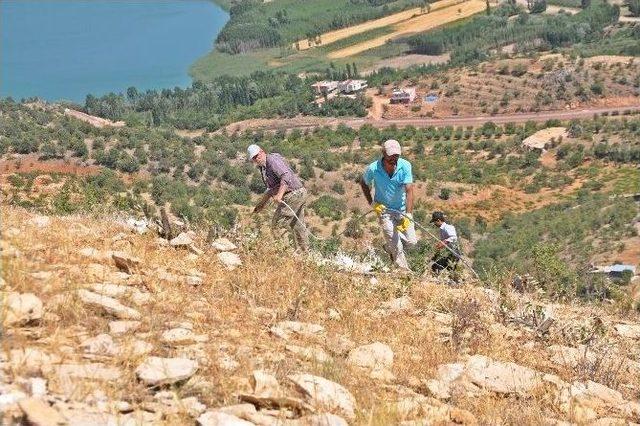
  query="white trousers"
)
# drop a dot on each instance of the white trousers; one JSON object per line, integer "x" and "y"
{"x": 396, "y": 241}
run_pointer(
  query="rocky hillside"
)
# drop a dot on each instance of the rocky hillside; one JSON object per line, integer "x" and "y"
{"x": 102, "y": 325}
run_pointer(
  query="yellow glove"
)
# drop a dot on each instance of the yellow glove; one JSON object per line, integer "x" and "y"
{"x": 404, "y": 224}
{"x": 379, "y": 208}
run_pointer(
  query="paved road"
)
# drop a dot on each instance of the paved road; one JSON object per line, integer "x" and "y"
{"x": 311, "y": 122}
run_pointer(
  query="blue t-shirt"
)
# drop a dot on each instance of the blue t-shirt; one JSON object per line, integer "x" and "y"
{"x": 389, "y": 191}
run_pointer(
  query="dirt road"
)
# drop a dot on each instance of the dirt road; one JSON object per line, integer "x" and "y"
{"x": 311, "y": 122}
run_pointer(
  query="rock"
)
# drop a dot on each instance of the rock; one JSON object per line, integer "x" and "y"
{"x": 40, "y": 221}
{"x": 119, "y": 328}
{"x": 110, "y": 305}
{"x": 264, "y": 384}
{"x": 501, "y": 377}
{"x": 375, "y": 356}
{"x": 94, "y": 254}
{"x": 285, "y": 329}
{"x": 77, "y": 417}
{"x": 398, "y": 305}
{"x": 309, "y": 354}
{"x": 223, "y": 244}
{"x": 440, "y": 387}
{"x": 182, "y": 336}
{"x": 135, "y": 347}
{"x": 227, "y": 363}
{"x": 21, "y": 309}
{"x": 339, "y": 345}
{"x": 125, "y": 262}
{"x": 182, "y": 240}
{"x": 324, "y": 394}
{"x": 40, "y": 413}
{"x": 218, "y": 418}
{"x": 114, "y": 290}
{"x": 102, "y": 344}
{"x": 630, "y": 331}
{"x": 37, "y": 387}
{"x": 31, "y": 360}
{"x": 334, "y": 314}
{"x": 238, "y": 410}
{"x": 324, "y": 419}
{"x": 156, "y": 371}
{"x": 230, "y": 260}
{"x": 193, "y": 280}
{"x": 94, "y": 371}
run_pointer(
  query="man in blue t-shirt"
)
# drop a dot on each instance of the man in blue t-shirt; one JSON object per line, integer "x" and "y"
{"x": 393, "y": 182}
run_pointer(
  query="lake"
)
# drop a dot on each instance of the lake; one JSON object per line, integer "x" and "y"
{"x": 66, "y": 49}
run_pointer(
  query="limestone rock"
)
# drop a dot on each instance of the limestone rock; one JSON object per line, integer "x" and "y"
{"x": 339, "y": 345}
{"x": 182, "y": 336}
{"x": 135, "y": 347}
{"x": 40, "y": 413}
{"x": 325, "y": 394}
{"x": 398, "y": 305}
{"x": 31, "y": 360}
{"x": 182, "y": 240}
{"x": 94, "y": 371}
{"x": 109, "y": 304}
{"x": 630, "y": 331}
{"x": 309, "y": 354}
{"x": 285, "y": 329}
{"x": 114, "y": 290}
{"x": 22, "y": 309}
{"x": 218, "y": 418}
{"x": 118, "y": 328}
{"x": 375, "y": 356}
{"x": 264, "y": 384}
{"x": 501, "y": 377}
{"x": 156, "y": 371}
{"x": 223, "y": 244}
{"x": 40, "y": 221}
{"x": 230, "y": 260}
{"x": 325, "y": 419}
{"x": 125, "y": 262}
{"x": 101, "y": 344}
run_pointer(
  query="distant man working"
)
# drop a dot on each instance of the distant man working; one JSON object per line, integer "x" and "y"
{"x": 282, "y": 185}
{"x": 392, "y": 179}
{"x": 445, "y": 258}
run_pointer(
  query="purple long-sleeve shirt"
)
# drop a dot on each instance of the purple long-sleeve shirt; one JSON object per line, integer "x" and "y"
{"x": 278, "y": 170}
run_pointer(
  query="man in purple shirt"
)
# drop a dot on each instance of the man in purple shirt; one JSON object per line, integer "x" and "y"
{"x": 282, "y": 185}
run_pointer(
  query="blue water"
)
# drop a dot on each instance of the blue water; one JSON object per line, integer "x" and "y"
{"x": 66, "y": 49}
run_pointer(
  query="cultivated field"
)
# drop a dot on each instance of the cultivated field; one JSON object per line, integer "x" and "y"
{"x": 420, "y": 23}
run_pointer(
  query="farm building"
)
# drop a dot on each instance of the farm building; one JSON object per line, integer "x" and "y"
{"x": 351, "y": 86}
{"x": 403, "y": 96}
{"x": 325, "y": 87}
{"x": 545, "y": 138}
{"x": 615, "y": 271}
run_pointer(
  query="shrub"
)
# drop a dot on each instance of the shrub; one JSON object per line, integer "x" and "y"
{"x": 327, "y": 206}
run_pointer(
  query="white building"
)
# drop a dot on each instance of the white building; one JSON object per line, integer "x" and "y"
{"x": 325, "y": 87}
{"x": 352, "y": 86}
{"x": 403, "y": 96}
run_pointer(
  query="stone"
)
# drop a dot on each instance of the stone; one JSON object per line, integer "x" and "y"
{"x": 285, "y": 329}
{"x": 230, "y": 260}
{"x": 94, "y": 371}
{"x": 119, "y": 328}
{"x": 101, "y": 344}
{"x": 339, "y": 345}
{"x": 135, "y": 347}
{"x": 238, "y": 410}
{"x": 182, "y": 336}
{"x": 31, "y": 360}
{"x": 94, "y": 254}
{"x": 334, "y": 314}
{"x": 309, "y": 354}
{"x": 182, "y": 240}
{"x": 325, "y": 419}
{"x": 114, "y": 290}
{"x": 375, "y": 356}
{"x": 109, "y": 304}
{"x": 126, "y": 262}
{"x": 192, "y": 406}
{"x": 218, "y": 418}
{"x": 501, "y": 377}
{"x": 76, "y": 417}
{"x": 630, "y": 331}
{"x": 37, "y": 387}
{"x": 40, "y": 413}
{"x": 156, "y": 371}
{"x": 227, "y": 363}
{"x": 223, "y": 244}
{"x": 324, "y": 394}
{"x": 398, "y": 305}
{"x": 40, "y": 221}
{"x": 21, "y": 309}
{"x": 264, "y": 384}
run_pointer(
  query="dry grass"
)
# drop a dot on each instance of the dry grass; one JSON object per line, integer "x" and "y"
{"x": 237, "y": 308}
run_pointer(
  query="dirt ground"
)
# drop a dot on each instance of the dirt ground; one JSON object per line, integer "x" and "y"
{"x": 420, "y": 23}
{"x": 406, "y": 61}
{"x": 31, "y": 163}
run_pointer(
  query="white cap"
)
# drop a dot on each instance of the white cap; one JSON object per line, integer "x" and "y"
{"x": 392, "y": 147}
{"x": 252, "y": 151}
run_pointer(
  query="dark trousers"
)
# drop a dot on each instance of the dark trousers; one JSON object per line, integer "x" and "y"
{"x": 444, "y": 259}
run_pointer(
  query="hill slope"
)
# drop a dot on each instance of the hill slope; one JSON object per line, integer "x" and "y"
{"x": 401, "y": 348}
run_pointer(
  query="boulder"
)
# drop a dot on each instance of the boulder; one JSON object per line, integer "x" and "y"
{"x": 218, "y": 418}
{"x": 118, "y": 328}
{"x": 264, "y": 384}
{"x": 156, "y": 371}
{"x": 40, "y": 413}
{"x": 223, "y": 244}
{"x": 182, "y": 240}
{"x": 324, "y": 394}
{"x": 125, "y": 262}
{"x": 501, "y": 377}
{"x": 110, "y": 305}
{"x": 375, "y": 356}
{"x": 21, "y": 309}
{"x": 630, "y": 331}
{"x": 114, "y": 290}
{"x": 102, "y": 344}
{"x": 230, "y": 260}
